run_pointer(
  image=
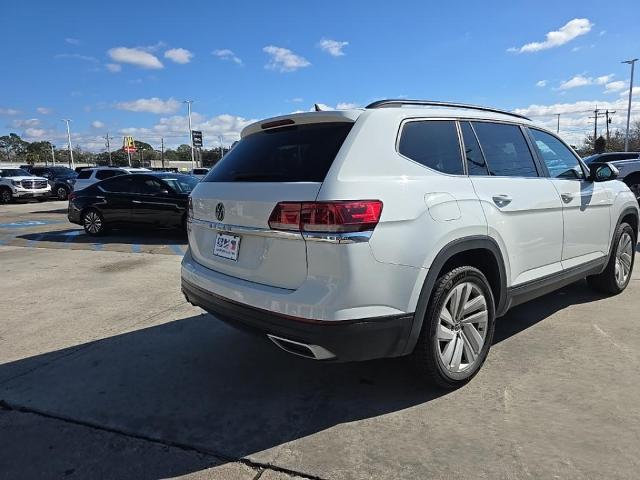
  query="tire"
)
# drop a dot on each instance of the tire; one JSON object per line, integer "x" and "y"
{"x": 451, "y": 350}
{"x": 61, "y": 193}
{"x": 93, "y": 222}
{"x": 617, "y": 274}
{"x": 5, "y": 195}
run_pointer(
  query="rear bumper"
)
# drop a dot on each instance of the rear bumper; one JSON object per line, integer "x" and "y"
{"x": 347, "y": 340}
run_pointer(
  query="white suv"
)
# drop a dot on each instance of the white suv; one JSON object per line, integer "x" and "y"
{"x": 404, "y": 228}
{"x": 18, "y": 183}
{"x": 89, "y": 176}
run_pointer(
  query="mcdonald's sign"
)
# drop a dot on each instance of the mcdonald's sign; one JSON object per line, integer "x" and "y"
{"x": 129, "y": 145}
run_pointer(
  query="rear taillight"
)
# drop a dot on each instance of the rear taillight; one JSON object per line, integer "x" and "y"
{"x": 326, "y": 217}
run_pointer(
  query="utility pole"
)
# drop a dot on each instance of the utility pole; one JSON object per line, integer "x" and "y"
{"x": 108, "y": 144}
{"x": 189, "y": 102}
{"x": 71, "y": 163}
{"x": 558, "y": 127}
{"x": 608, "y": 121}
{"x": 596, "y": 113}
{"x": 162, "y": 151}
{"x": 626, "y": 138}
{"x": 53, "y": 156}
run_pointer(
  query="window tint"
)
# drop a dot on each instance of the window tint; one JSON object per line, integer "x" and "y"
{"x": 475, "y": 161}
{"x": 84, "y": 174}
{"x": 433, "y": 143}
{"x": 181, "y": 183}
{"x": 300, "y": 153}
{"x": 559, "y": 160}
{"x": 505, "y": 149}
{"x": 148, "y": 185}
{"x": 104, "y": 174}
{"x": 119, "y": 183}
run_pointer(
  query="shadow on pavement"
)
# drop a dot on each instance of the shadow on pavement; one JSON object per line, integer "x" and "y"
{"x": 132, "y": 236}
{"x": 197, "y": 382}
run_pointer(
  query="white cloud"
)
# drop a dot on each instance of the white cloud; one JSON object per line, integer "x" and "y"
{"x": 226, "y": 54}
{"x": 9, "y": 111}
{"x": 284, "y": 60}
{"x": 135, "y": 56}
{"x": 97, "y": 124}
{"x": 174, "y": 129}
{"x": 72, "y": 41}
{"x": 77, "y": 56}
{"x": 581, "y": 81}
{"x": 614, "y": 86}
{"x": 44, "y": 110}
{"x": 636, "y": 91}
{"x": 346, "y": 105}
{"x": 29, "y": 122}
{"x": 575, "y": 121}
{"x": 297, "y": 100}
{"x": 541, "y": 83}
{"x": 602, "y": 32}
{"x": 113, "y": 67}
{"x": 36, "y": 133}
{"x": 566, "y": 33}
{"x": 150, "y": 105}
{"x": 179, "y": 55}
{"x": 333, "y": 47}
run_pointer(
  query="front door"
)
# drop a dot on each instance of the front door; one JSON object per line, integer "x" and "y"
{"x": 586, "y": 205}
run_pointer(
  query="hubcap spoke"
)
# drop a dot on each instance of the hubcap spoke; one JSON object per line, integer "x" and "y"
{"x": 457, "y": 355}
{"x": 445, "y": 334}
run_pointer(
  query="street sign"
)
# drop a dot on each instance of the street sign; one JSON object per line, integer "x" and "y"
{"x": 196, "y": 138}
{"x": 129, "y": 145}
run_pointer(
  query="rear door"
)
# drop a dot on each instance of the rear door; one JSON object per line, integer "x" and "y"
{"x": 155, "y": 203}
{"x": 238, "y": 195}
{"x": 118, "y": 193}
{"x": 523, "y": 210}
{"x": 586, "y": 205}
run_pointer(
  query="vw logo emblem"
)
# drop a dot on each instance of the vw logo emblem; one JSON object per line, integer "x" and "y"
{"x": 220, "y": 212}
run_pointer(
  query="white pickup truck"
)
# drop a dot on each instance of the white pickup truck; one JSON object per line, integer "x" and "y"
{"x": 17, "y": 183}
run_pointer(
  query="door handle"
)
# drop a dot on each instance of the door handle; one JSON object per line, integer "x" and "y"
{"x": 136, "y": 201}
{"x": 566, "y": 197}
{"x": 502, "y": 200}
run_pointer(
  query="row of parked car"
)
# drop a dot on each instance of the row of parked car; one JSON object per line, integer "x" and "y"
{"x": 43, "y": 182}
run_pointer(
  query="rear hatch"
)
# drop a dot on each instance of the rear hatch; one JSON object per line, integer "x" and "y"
{"x": 278, "y": 160}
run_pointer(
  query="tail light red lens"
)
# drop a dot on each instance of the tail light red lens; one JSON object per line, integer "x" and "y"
{"x": 329, "y": 217}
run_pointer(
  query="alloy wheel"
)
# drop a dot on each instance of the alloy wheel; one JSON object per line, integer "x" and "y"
{"x": 462, "y": 327}
{"x": 92, "y": 222}
{"x": 61, "y": 193}
{"x": 624, "y": 258}
{"x": 6, "y": 196}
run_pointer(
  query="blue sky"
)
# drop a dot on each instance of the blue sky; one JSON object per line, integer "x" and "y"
{"x": 125, "y": 67}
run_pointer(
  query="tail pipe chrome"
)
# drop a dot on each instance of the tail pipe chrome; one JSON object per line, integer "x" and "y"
{"x": 315, "y": 352}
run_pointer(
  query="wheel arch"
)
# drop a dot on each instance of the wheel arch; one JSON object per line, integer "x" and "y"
{"x": 479, "y": 251}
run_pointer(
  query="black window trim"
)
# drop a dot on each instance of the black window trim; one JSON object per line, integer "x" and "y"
{"x": 583, "y": 166}
{"x": 436, "y": 119}
{"x": 464, "y": 149}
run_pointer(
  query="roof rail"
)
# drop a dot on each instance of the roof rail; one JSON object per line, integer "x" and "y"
{"x": 432, "y": 103}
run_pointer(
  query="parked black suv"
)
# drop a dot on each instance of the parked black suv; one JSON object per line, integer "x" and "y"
{"x": 60, "y": 178}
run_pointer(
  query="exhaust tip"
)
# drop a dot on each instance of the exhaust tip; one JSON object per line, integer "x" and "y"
{"x": 314, "y": 352}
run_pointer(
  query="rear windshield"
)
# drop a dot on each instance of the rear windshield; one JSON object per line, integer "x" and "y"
{"x": 300, "y": 153}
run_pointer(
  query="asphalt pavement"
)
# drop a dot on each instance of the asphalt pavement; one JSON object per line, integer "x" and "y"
{"x": 107, "y": 372}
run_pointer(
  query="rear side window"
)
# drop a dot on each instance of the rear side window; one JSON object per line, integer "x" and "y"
{"x": 432, "y": 143}
{"x": 104, "y": 174}
{"x": 505, "y": 149}
{"x": 118, "y": 184}
{"x": 300, "y": 153}
{"x": 475, "y": 160}
{"x": 84, "y": 174}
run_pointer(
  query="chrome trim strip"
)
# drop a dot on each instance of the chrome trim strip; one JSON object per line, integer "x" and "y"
{"x": 340, "y": 238}
{"x": 238, "y": 229}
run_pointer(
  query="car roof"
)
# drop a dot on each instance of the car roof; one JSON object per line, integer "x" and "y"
{"x": 396, "y": 109}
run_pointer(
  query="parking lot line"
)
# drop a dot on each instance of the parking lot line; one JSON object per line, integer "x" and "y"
{"x": 135, "y": 248}
{"x": 177, "y": 249}
{"x": 98, "y": 247}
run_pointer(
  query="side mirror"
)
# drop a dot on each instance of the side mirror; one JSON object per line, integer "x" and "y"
{"x": 602, "y": 172}
{"x": 164, "y": 192}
